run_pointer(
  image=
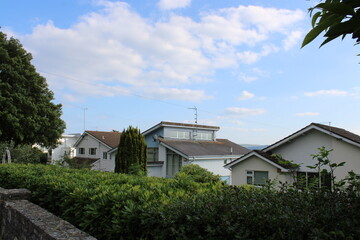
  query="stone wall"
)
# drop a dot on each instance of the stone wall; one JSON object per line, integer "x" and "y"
{"x": 23, "y": 220}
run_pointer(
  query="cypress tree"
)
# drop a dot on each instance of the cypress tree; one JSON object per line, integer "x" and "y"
{"x": 132, "y": 152}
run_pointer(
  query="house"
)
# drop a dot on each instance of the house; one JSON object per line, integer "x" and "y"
{"x": 257, "y": 166}
{"x": 172, "y": 145}
{"x": 64, "y": 147}
{"x": 96, "y": 147}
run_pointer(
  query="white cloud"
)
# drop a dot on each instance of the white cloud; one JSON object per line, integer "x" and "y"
{"x": 307, "y": 114}
{"x": 236, "y": 111}
{"x": 245, "y": 95}
{"x": 250, "y": 57}
{"x": 174, "y": 93}
{"x": 333, "y": 92}
{"x": 115, "y": 51}
{"x": 246, "y": 78}
{"x": 172, "y": 4}
{"x": 292, "y": 40}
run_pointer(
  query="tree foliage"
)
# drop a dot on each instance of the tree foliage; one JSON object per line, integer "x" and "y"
{"x": 197, "y": 174}
{"x": 132, "y": 152}
{"x": 27, "y": 113}
{"x": 24, "y": 153}
{"x": 336, "y": 18}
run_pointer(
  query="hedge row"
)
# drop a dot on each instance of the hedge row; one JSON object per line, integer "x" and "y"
{"x": 117, "y": 206}
{"x": 106, "y": 205}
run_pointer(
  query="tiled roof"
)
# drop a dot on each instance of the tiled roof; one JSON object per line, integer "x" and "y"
{"x": 206, "y": 148}
{"x": 111, "y": 139}
{"x": 328, "y": 129}
{"x": 339, "y": 131}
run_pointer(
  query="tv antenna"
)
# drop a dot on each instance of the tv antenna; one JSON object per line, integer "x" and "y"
{"x": 196, "y": 114}
{"x": 196, "y": 120}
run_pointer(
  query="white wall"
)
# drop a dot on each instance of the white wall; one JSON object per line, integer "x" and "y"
{"x": 344, "y": 152}
{"x": 162, "y": 158}
{"x": 154, "y": 171}
{"x": 215, "y": 166}
{"x": 253, "y": 163}
{"x": 300, "y": 149}
{"x": 89, "y": 142}
{"x": 66, "y": 144}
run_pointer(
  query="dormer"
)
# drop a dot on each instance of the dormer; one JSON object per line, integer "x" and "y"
{"x": 183, "y": 131}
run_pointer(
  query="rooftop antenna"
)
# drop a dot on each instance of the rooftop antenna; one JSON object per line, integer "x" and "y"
{"x": 196, "y": 114}
{"x": 196, "y": 119}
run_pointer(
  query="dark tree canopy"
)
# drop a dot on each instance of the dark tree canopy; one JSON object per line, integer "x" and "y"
{"x": 337, "y": 18}
{"x": 27, "y": 113}
{"x": 132, "y": 152}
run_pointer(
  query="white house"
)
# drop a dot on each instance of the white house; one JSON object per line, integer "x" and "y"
{"x": 172, "y": 145}
{"x": 65, "y": 147}
{"x": 258, "y": 166}
{"x": 95, "y": 147}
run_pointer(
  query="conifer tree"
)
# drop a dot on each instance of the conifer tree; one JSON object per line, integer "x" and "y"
{"x": 132, "y": 152}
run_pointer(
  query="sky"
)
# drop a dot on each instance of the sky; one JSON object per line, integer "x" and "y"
{"x": 112, "y": 64}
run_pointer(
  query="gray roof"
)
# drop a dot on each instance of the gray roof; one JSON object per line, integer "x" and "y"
{"x": 205, "y": 148}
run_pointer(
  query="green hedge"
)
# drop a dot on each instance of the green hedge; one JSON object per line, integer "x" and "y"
{"x": 118, "y": 206}
{"x": 238, "y": 213}
{"x": 106, "y": 205}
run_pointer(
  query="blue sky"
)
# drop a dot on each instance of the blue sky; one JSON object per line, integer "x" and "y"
{"x": 141, "y": 62}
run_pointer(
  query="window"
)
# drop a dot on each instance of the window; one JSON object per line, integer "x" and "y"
{"x": 203, "y": 136}
{"x": 152, "y": 154}
{"x": 225, "y": 179}
{"x": 173, "y": 163}
{"x": 92, "y": 151}
{"x": 104, "y": 155}
{"x": 311, "y": 179}
{"x": 257, "y": 177}
{"x": 81, "y": 150}
{"x": 179, "y": 134}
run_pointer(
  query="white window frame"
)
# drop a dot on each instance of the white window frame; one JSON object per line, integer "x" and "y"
{"x": 92, "y": 153}
{"x": 82, "y": 152}
{"x": 250, "y": 174}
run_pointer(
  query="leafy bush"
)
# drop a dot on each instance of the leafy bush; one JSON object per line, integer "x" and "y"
{"x": 75, "y": 163}
{"x": 118, "y": 206}
{"x": 106, "y": 205}
{"x": 23, "y": 153}
{"x": 237, "y": 213}
{"x": 197, "y": 174}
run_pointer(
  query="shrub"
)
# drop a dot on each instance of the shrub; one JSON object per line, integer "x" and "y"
{"x": 119, "y": 206}
{"x": 197, "y": 174}
{"x": 106, "y": 205}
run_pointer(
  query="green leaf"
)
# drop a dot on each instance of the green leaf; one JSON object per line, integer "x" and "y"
{"x": 314, "y": 18}
{"x": 327, "y": 40}
{"x": 338, "y": 8}
{"x": 342, "y": 28}
{"x": 319, "y": 28}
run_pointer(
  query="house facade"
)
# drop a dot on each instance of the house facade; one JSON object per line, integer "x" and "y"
{"x": 95, "y": 147}
{"x": 64, "y": 147}
{"x": 258, "y": 166}
{"x": 172, "y": 145}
